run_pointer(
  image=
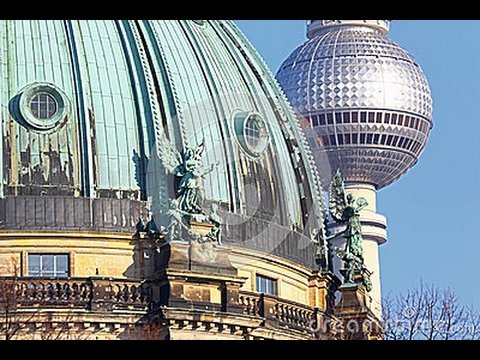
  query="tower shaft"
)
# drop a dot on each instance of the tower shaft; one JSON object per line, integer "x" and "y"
{"x": 366, "y": 108}
{"x": 374, "y": 232}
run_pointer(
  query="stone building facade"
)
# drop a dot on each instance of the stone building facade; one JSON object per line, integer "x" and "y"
{"x": 85, "y": 193}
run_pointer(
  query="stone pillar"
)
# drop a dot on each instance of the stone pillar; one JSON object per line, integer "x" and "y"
{"x": 198, "y": 276}
{"x": 149, "y": 253}
{"x": 230, "y": 297}
{"x": 359, "y": 322}
{"x": 320, "y": 290}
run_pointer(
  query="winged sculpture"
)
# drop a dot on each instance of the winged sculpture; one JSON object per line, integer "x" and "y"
{"x": 344, "y": 209}
{"x": 188, "y": 170}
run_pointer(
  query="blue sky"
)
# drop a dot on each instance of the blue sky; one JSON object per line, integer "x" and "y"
{"x": 432, "y": 211}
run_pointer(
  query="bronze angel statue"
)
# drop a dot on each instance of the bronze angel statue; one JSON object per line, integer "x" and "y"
{"x": 188, "y": 170}
{"x": 345, "y": 210}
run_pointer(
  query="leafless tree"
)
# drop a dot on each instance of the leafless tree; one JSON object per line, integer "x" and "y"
{"x": 429, "y": 313}
{"x": 10, "y": 324}
{"x": 472, "y": 324}
{"x": 392, "y": 328}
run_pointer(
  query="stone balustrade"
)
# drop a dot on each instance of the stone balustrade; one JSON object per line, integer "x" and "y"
{"x": 279, "y": 311}
{"x": 88, "y": 293}
{"x": 105, "y": 294}
{"x": 250, "y": 302}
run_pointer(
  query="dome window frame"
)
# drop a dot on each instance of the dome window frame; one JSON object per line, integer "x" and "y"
{"x": 254, "y": 142}
{"x": 27, "y": 113}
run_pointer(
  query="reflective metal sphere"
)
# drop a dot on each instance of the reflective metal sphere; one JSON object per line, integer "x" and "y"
{"x": 366, "y": 99}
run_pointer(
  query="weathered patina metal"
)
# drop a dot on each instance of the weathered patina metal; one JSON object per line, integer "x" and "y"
{"x": 188, "y": 171}
{"x": 127, "y": 83}
{"x": 345, "y": 209}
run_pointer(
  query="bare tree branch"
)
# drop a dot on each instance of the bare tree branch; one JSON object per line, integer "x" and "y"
{"x": 429, "y": 313}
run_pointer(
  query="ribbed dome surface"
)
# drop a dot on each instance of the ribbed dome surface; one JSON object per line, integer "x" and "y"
{"x": 85, "y": 103}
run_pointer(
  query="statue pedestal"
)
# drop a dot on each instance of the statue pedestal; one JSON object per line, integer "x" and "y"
{"x": 201, "y": 228}
{"x": 206, "y": 258}
{"x": 354, "y": 310}
{"x": 353, "y": 298}
{"x": 210, "y": 258}
{"x": 198, "y": 276}
{"x": 196, "y": 255}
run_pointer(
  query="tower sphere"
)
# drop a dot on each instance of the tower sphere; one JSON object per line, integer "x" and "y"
{"x": 364, "y": 100}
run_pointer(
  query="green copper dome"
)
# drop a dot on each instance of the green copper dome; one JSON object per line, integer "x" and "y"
{"x": 84, "y": 104}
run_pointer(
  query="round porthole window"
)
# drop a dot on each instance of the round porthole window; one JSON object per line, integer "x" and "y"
{"x": 43, "y": 106}
{"x": 252, "y": 132}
